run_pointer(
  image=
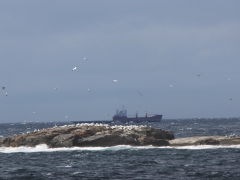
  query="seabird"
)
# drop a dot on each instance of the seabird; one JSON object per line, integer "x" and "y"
{"x": 140, "y": 93}
{"x": 114, "y": 80}
{"x": 85, "y": 58}
{"x": 199, "y": 75}
{"x": 66, "y": 117}
{"x": 56, "y": 88}
{"x": 107, "y": 114}
{"x": 6, "y": 94}
{"x": 229, "y": 79}
{"x": 3, "y": 88}
{"x": 75, "y": 68}
{"x": 170, "y": 85}
{"x": 230, "y": 98}
{"x": 89, "y": 90}
{"x": 34, "y": 112}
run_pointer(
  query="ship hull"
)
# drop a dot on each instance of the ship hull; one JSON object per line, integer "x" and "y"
{"x": 155, "y": 118}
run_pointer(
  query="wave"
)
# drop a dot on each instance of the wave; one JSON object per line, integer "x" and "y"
{"x": 45, "y": 148}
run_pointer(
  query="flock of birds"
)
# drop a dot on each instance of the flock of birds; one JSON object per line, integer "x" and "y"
{"x": 229, "y": 79}
{"x": 106, "y": 126}
{"x": 92, "y": 125}
{"x": 56, "y": 88}
{"x": 114, "y": 81}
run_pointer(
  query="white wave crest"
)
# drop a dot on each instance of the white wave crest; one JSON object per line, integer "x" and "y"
{"x": 44, "y": 148}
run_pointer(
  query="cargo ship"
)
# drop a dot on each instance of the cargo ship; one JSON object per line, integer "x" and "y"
{"x": 122, "y": 117}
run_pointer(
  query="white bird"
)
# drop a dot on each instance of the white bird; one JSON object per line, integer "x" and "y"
{"x": 171, "y": 85}
{"x": 107, "y": 114}
{"x": 114, "y": 80}
{"x": 89, "y": 90}
{"x": 84, "y": 58}
{"x": 56, "y": 88}
{"x": 34, "y": 112}
{"x": 6, "y": 94}
{"x": 66, "y": 117}
{"x": 229, "y": 79}
{"x": 75, "y": 68}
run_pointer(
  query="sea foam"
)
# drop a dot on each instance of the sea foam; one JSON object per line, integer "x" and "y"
{"x": 44, "y": 148}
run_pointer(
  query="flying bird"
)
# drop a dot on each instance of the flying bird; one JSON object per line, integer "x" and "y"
{"x": 84, "y": 58}
{"x": 140, "y": 93}
{"x": 66, "y": 117}
{"x": 89, "y": 90}
{"x": 199, "y": 75}
{"x": 34, "y": 112}
{"x": 6, "y": 94}
{"x": 229, "y": 79}
{"x": 3, "y": 88}
{"x": 56, "y": 88}
{"x": 114, "y": 80}
{"x": 230, "y": 98}
{"x": 74, "y": 68}
{"x": 170, "y": 85}
{"x": 107, "y": 114}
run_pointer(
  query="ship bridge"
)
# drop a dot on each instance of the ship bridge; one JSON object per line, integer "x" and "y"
{"x": 122, "y": 113}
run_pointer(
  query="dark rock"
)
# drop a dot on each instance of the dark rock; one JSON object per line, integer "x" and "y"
{"x": 106, "y": 140}
{"x": 64, "y": 140}
{"x": 160, "y": 134}
{"x": 147, "y": 140}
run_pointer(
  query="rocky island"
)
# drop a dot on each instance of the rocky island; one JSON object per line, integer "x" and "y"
{"x": 97, "y": 134}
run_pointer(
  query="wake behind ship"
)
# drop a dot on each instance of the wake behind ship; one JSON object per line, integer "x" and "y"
{"x": 122, "y": 117}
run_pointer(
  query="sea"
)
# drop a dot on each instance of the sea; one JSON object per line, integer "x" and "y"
{"x": 123, "y": 161}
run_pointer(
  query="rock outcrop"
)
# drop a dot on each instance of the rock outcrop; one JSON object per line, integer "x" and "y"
{"x": 90, "y": 134}
{"x": 205, "y": 140}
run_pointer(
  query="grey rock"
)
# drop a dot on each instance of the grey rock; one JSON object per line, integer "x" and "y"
{"x": 84, "y": 135}
{"x": 205, "y": 140}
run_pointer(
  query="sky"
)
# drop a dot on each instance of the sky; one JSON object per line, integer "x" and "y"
{"x": 145, "y": 45}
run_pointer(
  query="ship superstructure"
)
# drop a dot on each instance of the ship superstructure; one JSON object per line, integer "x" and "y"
{"x": 122, "y": 117}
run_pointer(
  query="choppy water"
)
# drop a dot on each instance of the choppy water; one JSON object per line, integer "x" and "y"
{"x": 127, "y": 162}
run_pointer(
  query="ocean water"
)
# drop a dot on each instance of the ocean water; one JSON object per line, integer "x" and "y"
{"x": 126, "y": 162}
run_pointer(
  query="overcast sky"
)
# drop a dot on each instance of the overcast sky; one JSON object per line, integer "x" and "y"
{"x": 145, "y": 45}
